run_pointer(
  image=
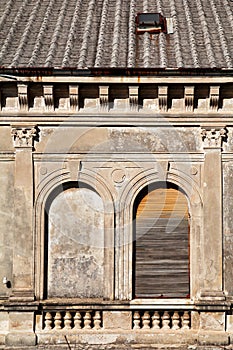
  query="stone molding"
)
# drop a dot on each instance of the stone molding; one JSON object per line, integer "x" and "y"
{"x": 74, "y": 97}
{"x": 163, "y": 98}
{"x": 24, "y": 136}
{"x": 23, "y": 96}
{"x": 133, "y": 98}
{"x": 189, "y": 98}
{"x": 213, "y": 137}
{"x": 104, "y": 97}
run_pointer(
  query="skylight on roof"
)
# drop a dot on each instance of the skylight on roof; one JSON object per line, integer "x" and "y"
{"x": 153, "y": 23}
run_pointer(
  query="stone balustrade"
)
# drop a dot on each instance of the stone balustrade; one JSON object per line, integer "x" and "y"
{"x": 161, "y": 320}
{"x": 93, "y": 320}
{"x": 88, "y": 320}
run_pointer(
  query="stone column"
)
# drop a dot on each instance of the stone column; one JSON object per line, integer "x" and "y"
{"x": 23, "y": 260}
{"x": 212, "y": 243}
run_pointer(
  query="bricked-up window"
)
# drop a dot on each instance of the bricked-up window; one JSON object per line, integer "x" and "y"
{"x": 161, "y": 243}
{"x": 75, "y": 243}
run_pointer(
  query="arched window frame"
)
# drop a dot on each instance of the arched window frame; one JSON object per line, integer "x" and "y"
{"x": 124, "y": 234}
{"x": 57, "y": 179}
{"x": 162, "y": 293}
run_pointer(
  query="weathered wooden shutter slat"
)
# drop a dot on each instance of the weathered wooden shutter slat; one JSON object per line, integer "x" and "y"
{"x": 162, "y": 245}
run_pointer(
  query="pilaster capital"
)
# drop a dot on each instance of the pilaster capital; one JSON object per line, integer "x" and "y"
{"x": 213, "y": 137}
{"x": 24, "y": 136}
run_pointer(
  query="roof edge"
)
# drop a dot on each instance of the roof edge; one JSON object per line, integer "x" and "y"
{"x": 128, "y": 72}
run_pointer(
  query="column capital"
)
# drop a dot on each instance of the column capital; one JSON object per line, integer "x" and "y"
{"x": 213, "y": 137}
{"x": 24, "y": 136}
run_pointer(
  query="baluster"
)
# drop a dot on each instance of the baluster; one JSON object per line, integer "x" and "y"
{"x": 97, "y": 320}
{"x": 176, "y": 320}
{"x": 146, "y": 320}
{"x": 77, "y": 320}
{"x": 156, "y": 320}
{"x": 48, "y": 321}
{"x": 166, "y": 320}
{"x": 136, "y": 320}
{"x": 186, "y": 320}
{"x": 67, "y": 320}
{"x": 87, "y": 320}
{"x": 57, "y": 320}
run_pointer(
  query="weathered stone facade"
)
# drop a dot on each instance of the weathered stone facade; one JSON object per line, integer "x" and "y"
{"x": 75, "y": 154}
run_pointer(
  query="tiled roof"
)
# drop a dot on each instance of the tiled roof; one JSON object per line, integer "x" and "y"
{"x": 101, "y": 33}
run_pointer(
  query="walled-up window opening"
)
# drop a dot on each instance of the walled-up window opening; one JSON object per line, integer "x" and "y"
{"x": 161, "y": 243}
{"x": 74, "y": 251}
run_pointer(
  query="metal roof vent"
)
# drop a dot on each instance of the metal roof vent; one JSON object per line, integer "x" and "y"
{"x": 153, "y": 23}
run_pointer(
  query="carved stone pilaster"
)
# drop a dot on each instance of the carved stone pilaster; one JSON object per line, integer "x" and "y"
{"x": 48, "y": 97}
{"x": 23, "y": 137}
{"x": 189, "y": 98}
{"x": 74, "y": 97}
{"x": 133, "y": 98}
{"x": 104, "y": 98}
{"x": 23, "y": 97}
{"x": 214, "y": 98}
{"x": 163, "y": 98}
{"x": 211, "y": 276}
{"x": 213, "y": 137}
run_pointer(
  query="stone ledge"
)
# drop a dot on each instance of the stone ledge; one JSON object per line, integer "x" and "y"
{"x": 15, "y": 339}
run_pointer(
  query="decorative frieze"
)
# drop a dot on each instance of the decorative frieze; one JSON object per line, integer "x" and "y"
{"x": 133, "y": 98}
{"x": 104, "y": 98}
{"x": 189, "y": 98}
{"x": 163, "y": 98}
{"x": 48, "y": 97}
{"x": 65, "y": 97}
{"x": 23, "y": 137}
{"x": 74, "y": 97}
{"x": 23, "y": 97}
{"x": 213, "y": 137}
{"x": 214, "y": 98}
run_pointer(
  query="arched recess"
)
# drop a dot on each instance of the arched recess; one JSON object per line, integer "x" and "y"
{"x": 125, "y": 232}
{"x": 161, "y": 243}
{"x": 98, "y": 193}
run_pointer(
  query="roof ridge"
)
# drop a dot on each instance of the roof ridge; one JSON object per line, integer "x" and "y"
{"x": 193, "y": 44}
{"x": 146, "y": 40}
{"x": 223, "y": 41}
{"x": 210, "y": 53}
{"x": 178, "y": 54}
{"x": 10, "y": 35}
{"x": 41, "y": 34}
{"x": 71, "y": 35}
{"x": 229, "y": 12}
{"x": 116, "y": 35}
{"x": 6, "y": 12}
{"x": 131, "y": 35}
{"x": 56, "y": 34}
{"x": 84, "y": 46}
{"x": 25, "y": 34}
{"x": 162, "y": 41}
{"x": 101, "y": 37}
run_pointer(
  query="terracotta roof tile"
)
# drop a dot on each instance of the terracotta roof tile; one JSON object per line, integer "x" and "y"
{"x": 101, "y": 33}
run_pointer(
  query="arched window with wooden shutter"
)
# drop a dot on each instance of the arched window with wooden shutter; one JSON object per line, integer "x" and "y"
{"x": 161, "y": 243}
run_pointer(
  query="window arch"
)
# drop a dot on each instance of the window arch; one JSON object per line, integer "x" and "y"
{"x": 74, "y": 234}
{"x": 161, "y": 243}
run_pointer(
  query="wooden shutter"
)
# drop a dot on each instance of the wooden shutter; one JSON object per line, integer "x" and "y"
{"x": 161, "y": 252}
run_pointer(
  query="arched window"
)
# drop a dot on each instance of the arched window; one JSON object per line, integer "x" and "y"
{"x": 161, "y": 243}
{"x": 75, "y": 243}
